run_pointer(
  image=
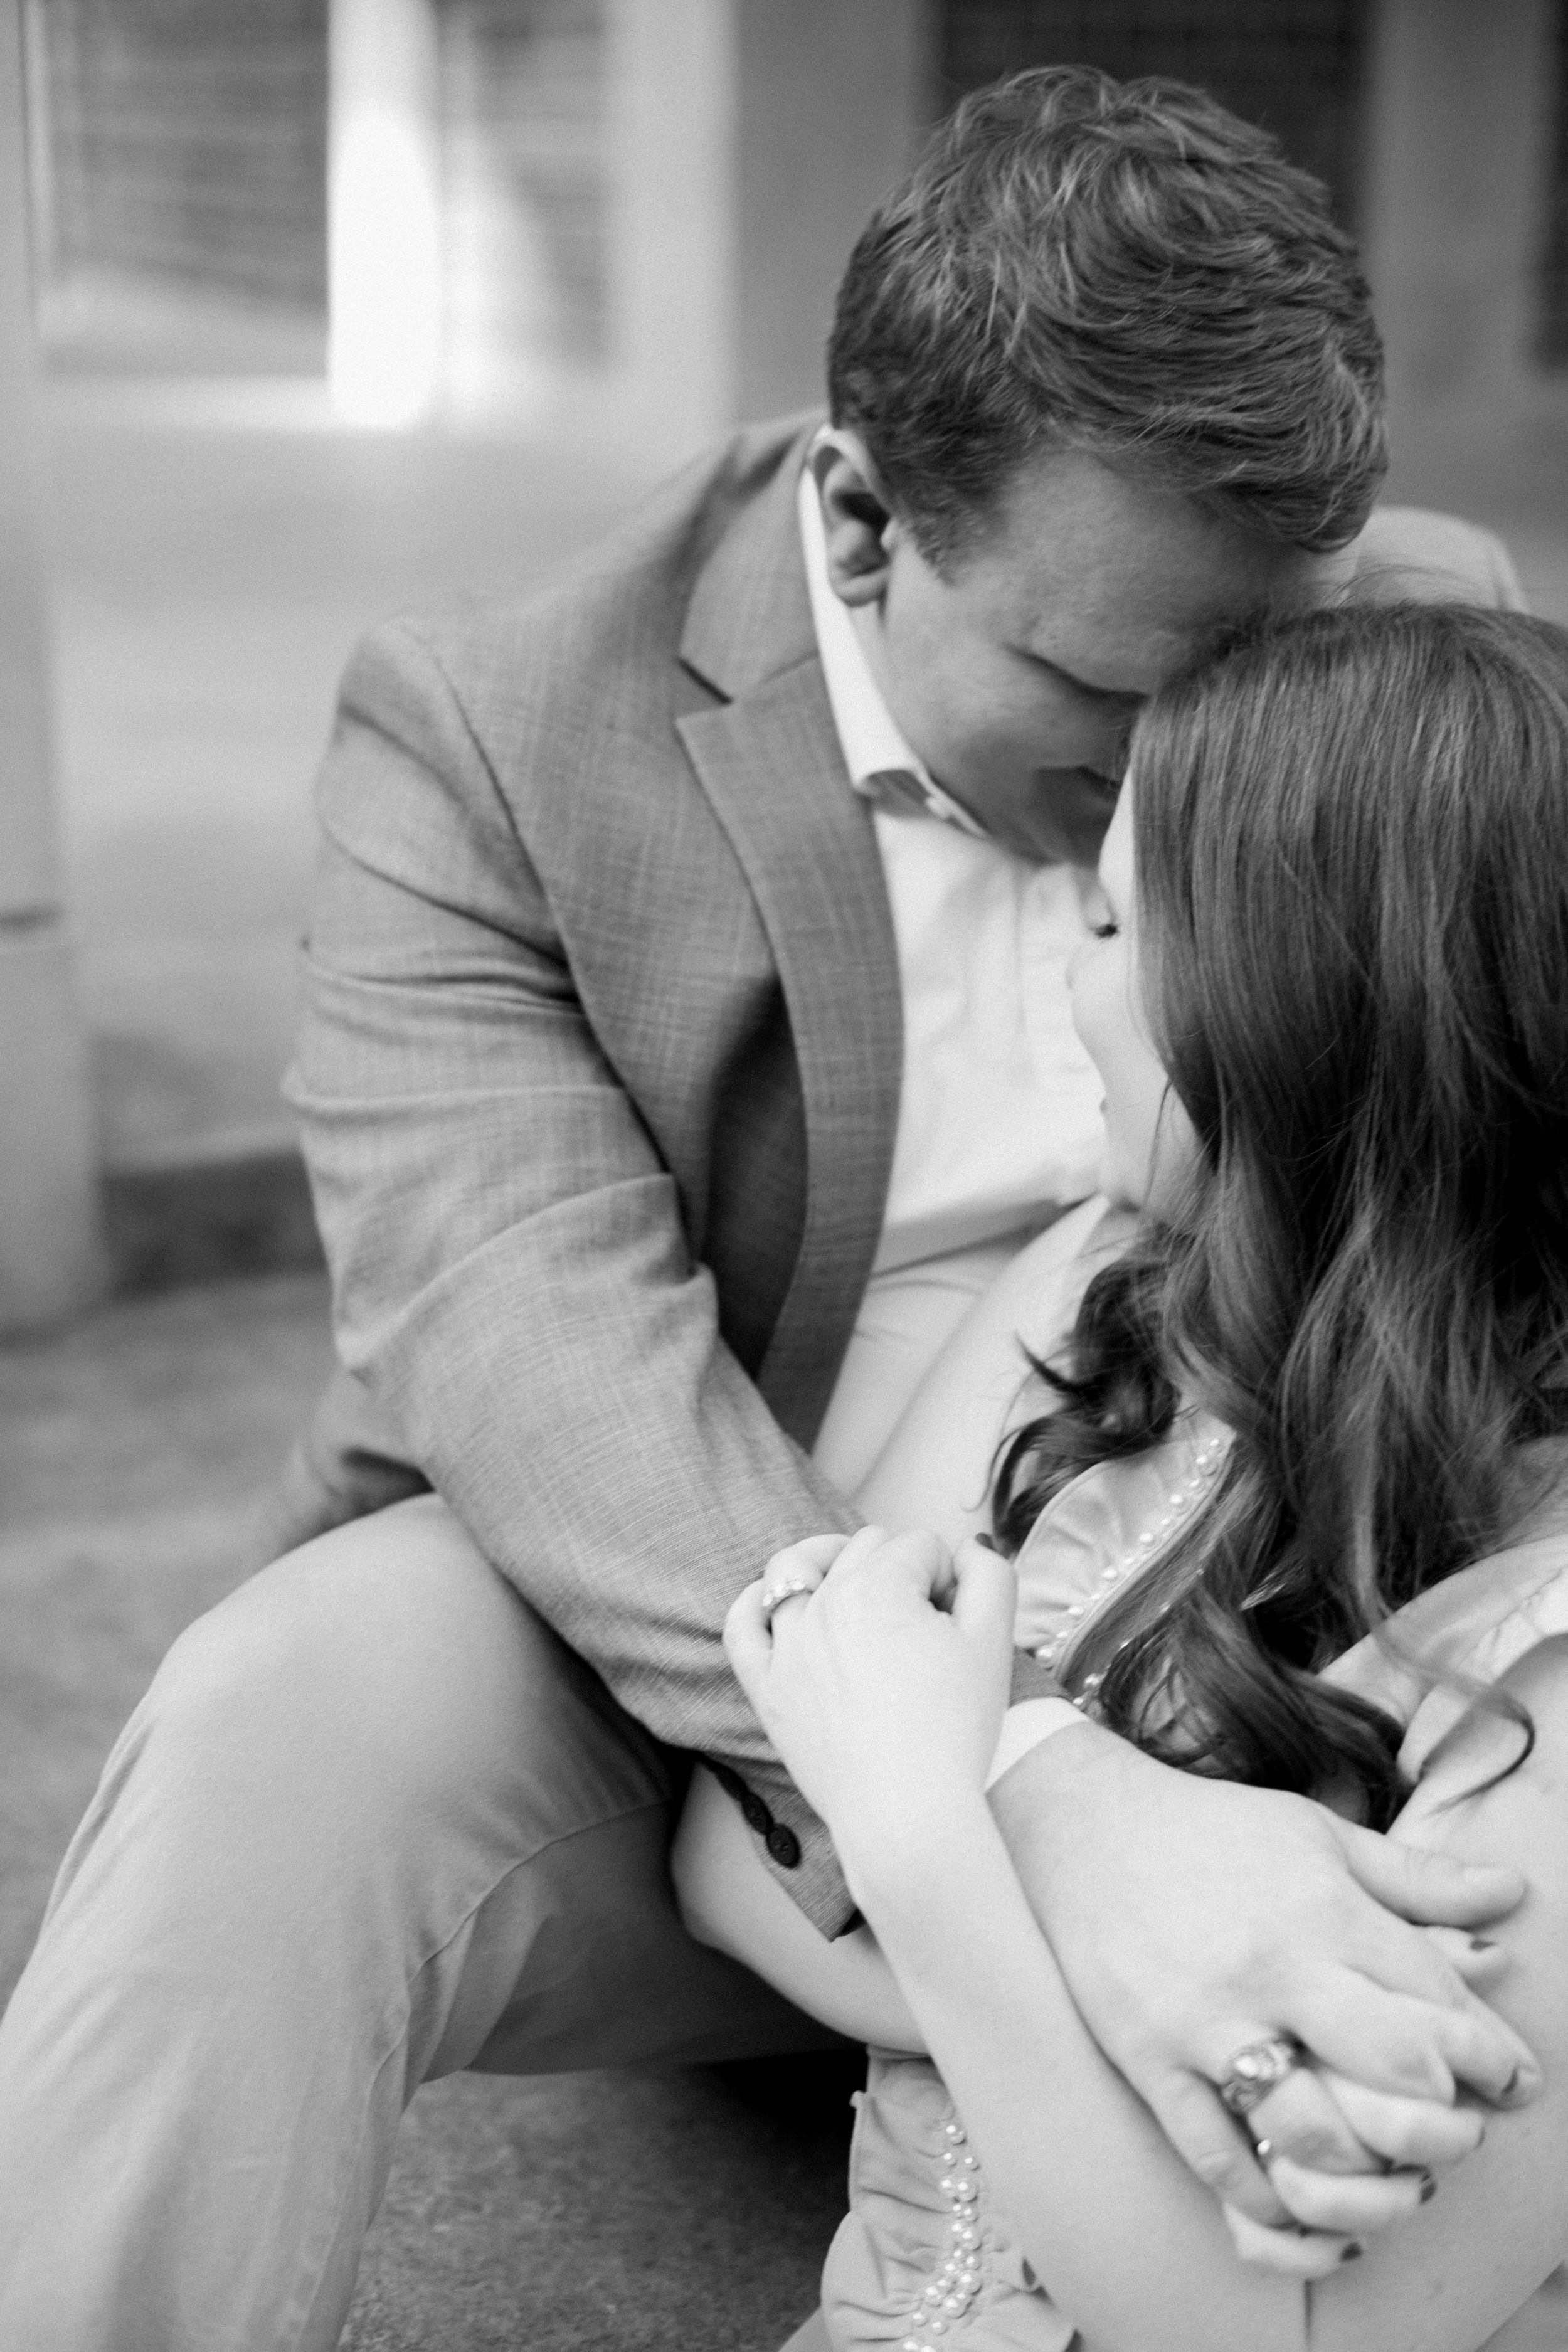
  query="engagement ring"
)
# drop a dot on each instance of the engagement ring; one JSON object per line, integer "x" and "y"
{"x": 1256, "y": 2070}
{"x": 777, "y": 1594}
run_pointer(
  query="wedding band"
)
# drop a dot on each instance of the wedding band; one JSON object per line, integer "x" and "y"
{"x": 777, "y": 1594}
{"x": 1256, "y": 2070}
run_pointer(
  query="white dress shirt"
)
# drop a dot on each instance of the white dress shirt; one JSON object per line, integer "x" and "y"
{"x": 999, "y": 1122}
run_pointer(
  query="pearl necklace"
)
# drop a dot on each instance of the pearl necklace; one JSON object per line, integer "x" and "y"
{"x": 948, "y": 2295}
{"x": 1180, "y": 1505}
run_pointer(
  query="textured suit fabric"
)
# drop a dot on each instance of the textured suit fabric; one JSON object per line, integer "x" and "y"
{"x": 599, "y": 1081}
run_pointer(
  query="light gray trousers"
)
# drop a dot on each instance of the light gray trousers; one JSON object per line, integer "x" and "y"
{"x": 372, "y": 1823}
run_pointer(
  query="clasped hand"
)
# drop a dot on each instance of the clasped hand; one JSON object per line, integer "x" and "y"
{"x": 1189, "y": 1918}
{"x": 888, "y": 1685}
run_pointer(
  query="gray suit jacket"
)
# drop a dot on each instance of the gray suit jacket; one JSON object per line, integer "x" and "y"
{"x": 599, "y": 1079}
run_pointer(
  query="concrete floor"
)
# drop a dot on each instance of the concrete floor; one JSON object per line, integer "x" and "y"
{"x": 135, "y": 1453}
{"x": 672, "y": 2212}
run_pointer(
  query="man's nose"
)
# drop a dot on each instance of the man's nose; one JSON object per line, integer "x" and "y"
{"x": 1095, "y": 908}
{"x": 1115, "y": 746}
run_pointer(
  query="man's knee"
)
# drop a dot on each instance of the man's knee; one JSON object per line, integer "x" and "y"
{"x": 349, "y": 1463}
{"x": 357, "y": 1649}
{"x": 388, "y": 1669}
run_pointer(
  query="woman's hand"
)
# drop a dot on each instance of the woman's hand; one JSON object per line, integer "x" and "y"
{"x": 884, "y": 1689}
{"x": 1345, "y": 2162}
{"x": 1233, "y": 1913}
{"x": 1360, "y": 2162}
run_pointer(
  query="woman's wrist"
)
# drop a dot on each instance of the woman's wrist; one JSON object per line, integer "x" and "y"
{"x": 904, "y": 1832}
{"x": 891, "y": 1853}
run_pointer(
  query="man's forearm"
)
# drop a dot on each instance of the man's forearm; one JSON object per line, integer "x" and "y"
{"x": 512, "y": 1276}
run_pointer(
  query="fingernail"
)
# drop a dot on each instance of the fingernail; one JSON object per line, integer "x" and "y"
{"x": 1352, "y": 2253}
{"x": 988, "y": 1543}
{"x": 1483, "y": 1944}
{"x": 1429, "y": 2188}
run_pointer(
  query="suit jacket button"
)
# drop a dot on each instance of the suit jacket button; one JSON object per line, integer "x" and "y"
{"x": 783, "y": 1845}
{"x": 730, "y": 1782}
{"x": 756, "y": 1813}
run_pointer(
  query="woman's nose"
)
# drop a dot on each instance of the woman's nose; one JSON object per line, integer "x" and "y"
{"x": 1095, "y": 908}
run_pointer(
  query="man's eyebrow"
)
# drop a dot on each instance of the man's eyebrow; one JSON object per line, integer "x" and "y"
{"x": 1100, "y": 693}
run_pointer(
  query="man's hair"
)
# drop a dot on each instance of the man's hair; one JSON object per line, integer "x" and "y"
{"x": 1121, "y": 268}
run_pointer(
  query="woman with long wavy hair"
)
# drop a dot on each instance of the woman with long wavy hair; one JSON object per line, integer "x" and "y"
{"x": 1287, "y": 1506}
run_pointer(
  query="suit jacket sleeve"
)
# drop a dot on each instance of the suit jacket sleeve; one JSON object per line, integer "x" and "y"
{"x": 511, "y": 1276}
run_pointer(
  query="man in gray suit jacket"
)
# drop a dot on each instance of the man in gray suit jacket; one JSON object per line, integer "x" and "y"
{"x": 606, "y": 1083}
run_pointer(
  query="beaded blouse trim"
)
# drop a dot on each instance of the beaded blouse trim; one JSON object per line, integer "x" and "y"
{"x": 953, "y": 2286}
{"x": 1111, "y": 1523}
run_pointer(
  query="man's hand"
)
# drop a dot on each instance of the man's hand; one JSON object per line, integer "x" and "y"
{"x": 1192, "y": 1918}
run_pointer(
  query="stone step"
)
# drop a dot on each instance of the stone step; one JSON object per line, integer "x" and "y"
{"x": 207, "y": 1215}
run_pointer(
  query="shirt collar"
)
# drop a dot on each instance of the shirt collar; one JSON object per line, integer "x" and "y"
{"x": 868, "y": 735}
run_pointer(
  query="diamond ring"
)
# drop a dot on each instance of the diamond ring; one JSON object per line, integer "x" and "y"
{"x": 1258, "y": 2068}
{"x": 777, "y": 1594}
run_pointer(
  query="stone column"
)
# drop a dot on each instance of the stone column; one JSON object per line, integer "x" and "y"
{"x": 832, "y": 103}
{"x": 1458, "y": 125}
{"x": 670, "y": 240}
{"x": 51, "y": 1262}
{"x": 749, "y": 140}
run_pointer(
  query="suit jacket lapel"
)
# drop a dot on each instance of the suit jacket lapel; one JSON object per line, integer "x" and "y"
{"x": 770, "y": 761}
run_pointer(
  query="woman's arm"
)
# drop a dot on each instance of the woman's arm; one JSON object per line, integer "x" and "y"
{"x": 899, "y": 1722}
{"x": 1499, "y": 2224}
{"x": 886, "y": 1708}
{"x": 1117, "y": 2229}
{"x": 932, "y": 1473}
{"x": 727, "y": 1900}
{"x": 1125, "y": 2239}
{"x": 935, "y": 1469}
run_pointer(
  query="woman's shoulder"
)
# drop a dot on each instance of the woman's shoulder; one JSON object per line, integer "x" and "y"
{"x": 1427, "y": 1662}
{"x": 1115, "y": 1522}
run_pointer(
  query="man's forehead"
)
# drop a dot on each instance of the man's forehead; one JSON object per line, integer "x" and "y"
{"x": 1122, "y": 584}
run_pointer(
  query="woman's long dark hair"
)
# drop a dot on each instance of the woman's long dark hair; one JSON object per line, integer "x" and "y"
{"x": 1352, "y": 856}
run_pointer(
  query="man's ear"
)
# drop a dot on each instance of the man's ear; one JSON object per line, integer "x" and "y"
{"x": 857, "y": 522}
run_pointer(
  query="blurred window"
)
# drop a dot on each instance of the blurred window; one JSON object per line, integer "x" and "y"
{"x": 525, "y": 132}
{"x": 1295, "y": 66}
{"x": 182, "y": 139}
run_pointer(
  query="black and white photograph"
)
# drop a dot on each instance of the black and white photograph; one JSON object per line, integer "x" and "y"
{"x": 784, "y": 1175}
